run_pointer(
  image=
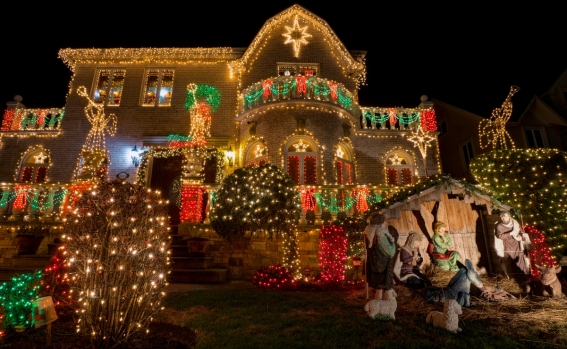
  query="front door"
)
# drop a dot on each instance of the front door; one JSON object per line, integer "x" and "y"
{"x": 166, "y": 177}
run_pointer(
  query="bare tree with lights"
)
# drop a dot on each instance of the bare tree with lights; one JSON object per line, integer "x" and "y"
{"x": 118, "y": 252}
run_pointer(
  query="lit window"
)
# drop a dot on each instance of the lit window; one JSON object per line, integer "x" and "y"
{"x": 468, "y": 154}
{"x": 305, "y": 69}
{"x": 108, "y": 86}
{"x": 344, "y": 166}
{"x": 158, "y": 88}
{"x": 34, "y": 167}
{"x": 301, "y": 161}
{"x": 257, "y": 155}
{"x": 399, "y": 169}
{"x": 534, "y": 138}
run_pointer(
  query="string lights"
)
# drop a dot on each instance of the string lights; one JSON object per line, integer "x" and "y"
{"x": 296, "y": 36}
{"x": 332, "y": 253}
{"x": 493, "y": 130}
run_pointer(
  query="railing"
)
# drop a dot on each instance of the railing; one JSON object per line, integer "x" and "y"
{"x": 399, "y": 118}
{"x": 24, "y": 202}
{"x": 281, "y": 88}
{"x": 324, "y": 204}
{"x": 32, "y": 120}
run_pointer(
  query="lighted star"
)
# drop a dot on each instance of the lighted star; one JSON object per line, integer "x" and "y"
{"x": 396, "y": 160}
{"x": 40, "y": 158}
{"x": 297, "y": 36}
{"x": 301, "y": 147}
{"x": 340, "y": 152}
{"x": 259, "y": 151}
{"x": 421, "y": 140}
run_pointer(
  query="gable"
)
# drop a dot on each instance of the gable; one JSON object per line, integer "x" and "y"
{"x": 295, "y": 31}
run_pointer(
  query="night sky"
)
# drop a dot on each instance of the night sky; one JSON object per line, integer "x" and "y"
{"x": 467, "y": 55}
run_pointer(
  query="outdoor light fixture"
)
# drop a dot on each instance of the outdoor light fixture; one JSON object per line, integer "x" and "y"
{"x": 135, "y": 157}
{"x": 230, "y": 156}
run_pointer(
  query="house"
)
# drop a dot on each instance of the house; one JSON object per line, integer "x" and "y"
{"x": 288, "y": 99}
{"x": 542, "y": 124}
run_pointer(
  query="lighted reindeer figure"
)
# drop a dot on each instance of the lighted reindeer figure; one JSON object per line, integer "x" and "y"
{"x": 458, "y": 288}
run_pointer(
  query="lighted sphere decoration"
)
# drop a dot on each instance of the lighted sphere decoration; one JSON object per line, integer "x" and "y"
{"x": 255, "y": 199}
{"x": 533, "y": 181}
{"x": 118, "y": 254}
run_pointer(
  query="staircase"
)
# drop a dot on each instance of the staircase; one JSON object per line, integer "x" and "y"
{"x": 192, "y": 267}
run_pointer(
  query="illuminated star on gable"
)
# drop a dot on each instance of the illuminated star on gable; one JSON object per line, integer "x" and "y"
{"x": 396, "y": 160}
{"x": 259, "y": 151}
{"x": 301, "y": 147}
{"x": 340, "y": 152}
{"x": 297, "y": 36}
{"x": 421, "y": 140}
{"x": 40, "y": 158}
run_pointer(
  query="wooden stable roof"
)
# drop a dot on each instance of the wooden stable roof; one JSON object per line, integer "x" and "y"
{"x": 469, "y": 193}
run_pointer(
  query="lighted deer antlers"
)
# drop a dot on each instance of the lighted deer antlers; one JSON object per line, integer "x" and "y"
{"x": 494, "y": 129}
{"x": 99, "y": 121}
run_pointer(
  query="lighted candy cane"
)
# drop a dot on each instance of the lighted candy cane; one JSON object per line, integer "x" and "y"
{"x": 333, "y": 87}
{"x": 267, "y": 86}
{"x": 301, "y": 84}
{"x": 200, "y": 111}
{"x": 100, "y": 123}
{"x": 494, "y": 129}
{"x": 361, "y": 195}
{"x": 393, "y": 118}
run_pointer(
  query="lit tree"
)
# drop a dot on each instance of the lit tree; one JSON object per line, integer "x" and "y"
{"x": 533, "y": 181}
{"x": 332, "y": 253}
{"x": 255, "y": 199}
{"x": 118, "y": 256}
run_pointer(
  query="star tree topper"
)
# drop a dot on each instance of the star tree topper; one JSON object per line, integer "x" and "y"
{"x": 421, "y": 140}
{"x": 297, "y": 36}
{"x": 494, "y": 129}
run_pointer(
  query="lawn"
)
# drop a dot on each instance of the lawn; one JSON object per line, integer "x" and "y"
{"x": 267, "y": 318}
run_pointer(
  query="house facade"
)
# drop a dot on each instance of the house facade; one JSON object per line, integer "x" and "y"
{"x": 289, "y": 99}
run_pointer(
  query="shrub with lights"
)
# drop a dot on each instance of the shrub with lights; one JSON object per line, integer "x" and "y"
{"x": 254, "y": 200}
{"x": 332, "y": 253}
{"x": 274, "y": 276}
{"x": 56, "y": 281}
{"x": 118, "y": 256}
{"x": 355, "y": 249}
{"x": 534, "y": 182}
{"x": 16, "y": 299}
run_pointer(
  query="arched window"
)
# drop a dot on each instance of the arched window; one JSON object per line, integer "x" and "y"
{"x": 34, "y": 167}
{"x": 344, "y": 165}
{"x": 399, "y": 169}
{"x": 301, "y": 161}
{"x": 257, "y": 154}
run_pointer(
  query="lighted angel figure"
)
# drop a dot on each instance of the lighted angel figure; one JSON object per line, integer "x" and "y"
{"x": 494, "y": 129}
{"x": 99, "y": 121}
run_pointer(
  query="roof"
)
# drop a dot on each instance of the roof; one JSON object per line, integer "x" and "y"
{"x": 410, "y": 199}
{"x": 450, "y": 106}
{"x": 562, "y": 77}
{"x": 553, "y": 117}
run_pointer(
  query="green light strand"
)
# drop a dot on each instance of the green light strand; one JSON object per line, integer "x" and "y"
{"x": 7, "y": 197}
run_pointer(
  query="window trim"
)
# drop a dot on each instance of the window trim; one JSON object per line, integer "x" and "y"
{"x": 302, "y": 155}
{"x": 112, "y": 69}
{"x": 24, "y": 163}
{"x": 158, "y": 88}
{"x": 256, "y": 160}
{"x": 461, "y": 151}
{"x": 542, "y": 133}
{"x": 409, "y": 164}
{"x": 297, "y": 65}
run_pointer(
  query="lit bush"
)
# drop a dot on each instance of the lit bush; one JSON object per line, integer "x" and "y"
{"x": 118, "y": 253}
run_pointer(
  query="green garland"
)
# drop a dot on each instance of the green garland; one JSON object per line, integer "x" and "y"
{"x": 534, "y": 182}
{"x": 210, "y": 93}
{"x": 255, "y": 199}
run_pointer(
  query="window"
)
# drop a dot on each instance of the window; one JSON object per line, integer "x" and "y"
{"x": 442, "y": 128}
{"x": 257, "y": 155}
{"x": 34, "y": 167}
{"x": 108, "y": 86}
{"x": 534, "y": 138}
{"x": 158, "y": 88}
{"x": 344, "y": 166}
{"x": 565, "y": 96}
{"x": 301, "y": 161}
{"x": 305, "y": 69}
{"x": 468, "y": 154}
{"x": 398, "y": 169}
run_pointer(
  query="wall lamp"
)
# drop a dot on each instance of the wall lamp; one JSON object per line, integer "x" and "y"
{"x": 230, "y": 156}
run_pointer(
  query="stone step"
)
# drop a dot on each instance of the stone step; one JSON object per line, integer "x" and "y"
{"x": 198, "y": 276}
{"x": 191, "y": 262}
{"x": 30, "y": 261}
{"x": 179, "y": 250}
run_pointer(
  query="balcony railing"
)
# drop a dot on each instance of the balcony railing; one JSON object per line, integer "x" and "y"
{"x": 26, "y": 121}
{"x": 281, "y": 88}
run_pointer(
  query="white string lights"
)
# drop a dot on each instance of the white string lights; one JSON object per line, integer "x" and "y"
{"x": 494, "y": 129}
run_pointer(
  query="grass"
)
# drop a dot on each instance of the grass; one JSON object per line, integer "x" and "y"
{"x": 266, "y": 318}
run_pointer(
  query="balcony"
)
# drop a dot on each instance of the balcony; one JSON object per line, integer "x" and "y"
{"x": 25, "y": 122}
{"x": 285, "y": 88}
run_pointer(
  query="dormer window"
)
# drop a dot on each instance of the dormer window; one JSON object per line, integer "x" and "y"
{"x": 292, "y": 69}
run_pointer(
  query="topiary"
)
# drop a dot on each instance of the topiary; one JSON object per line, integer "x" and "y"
{"x": 255, "y": 199}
